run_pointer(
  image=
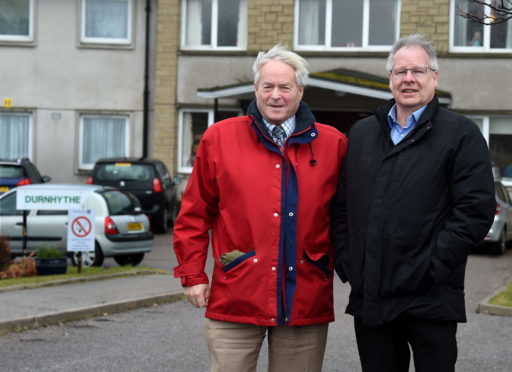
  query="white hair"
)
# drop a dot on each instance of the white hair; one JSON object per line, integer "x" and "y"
{"x": 413, "y": 40}
{"x": 283, "y": 54}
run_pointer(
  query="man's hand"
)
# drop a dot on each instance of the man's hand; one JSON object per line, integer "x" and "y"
{"x": 198, "y": 295}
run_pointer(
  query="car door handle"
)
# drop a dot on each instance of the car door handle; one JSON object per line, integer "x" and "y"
{"x": 19, "y": 223}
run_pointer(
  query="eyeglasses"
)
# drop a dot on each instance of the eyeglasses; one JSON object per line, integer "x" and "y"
{"x": 417, "y": 72}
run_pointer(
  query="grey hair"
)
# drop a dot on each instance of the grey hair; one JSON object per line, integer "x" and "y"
{"x": 413, "y": 40}
{"x": 282, "y": 53}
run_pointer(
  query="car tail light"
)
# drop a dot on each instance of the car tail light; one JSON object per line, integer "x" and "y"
{"x": 498, "y": 209}
{"x": 110, "y": 226}
{"x": 25, "y": 181}
{"x": 89, "y": 180}
{"x": 157, "y": 186}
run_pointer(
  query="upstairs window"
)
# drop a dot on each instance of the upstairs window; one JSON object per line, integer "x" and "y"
{"x": 346, "y": 24}
{"x": 470, "y": 36}
{"x": 106, "y": 21}
{"x": 16, "y": 20}
{"x": 214, "y": 24}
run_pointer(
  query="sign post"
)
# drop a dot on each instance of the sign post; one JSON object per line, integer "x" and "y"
{"x": 80, "y": 233}
{"x": 80, "y": 223}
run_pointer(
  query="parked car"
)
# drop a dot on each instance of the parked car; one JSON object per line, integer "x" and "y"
{"x": 19, "y": 172}
{"x": 148, "y": 179}
{"x": 500, "y": 234}
{"x": 507, "y": 182}
{"x": 121, "y": 228}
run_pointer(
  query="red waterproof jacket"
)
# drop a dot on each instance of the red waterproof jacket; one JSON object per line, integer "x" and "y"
{"x": 272, "y": 206}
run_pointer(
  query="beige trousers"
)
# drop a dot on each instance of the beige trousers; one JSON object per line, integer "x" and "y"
{"x": 235, "y": 347}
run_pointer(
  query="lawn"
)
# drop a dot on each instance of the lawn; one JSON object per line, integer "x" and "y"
{"x": 71, "y": 275}
{"x": 503, "y": 298}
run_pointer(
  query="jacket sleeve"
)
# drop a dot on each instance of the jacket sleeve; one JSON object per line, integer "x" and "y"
{"x": 473, "y": 202}
{"x": 339, "y": 226}
{"x": 199, "y": 207}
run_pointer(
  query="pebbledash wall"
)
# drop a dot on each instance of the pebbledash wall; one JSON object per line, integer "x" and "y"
{"x": 479, "y": 81}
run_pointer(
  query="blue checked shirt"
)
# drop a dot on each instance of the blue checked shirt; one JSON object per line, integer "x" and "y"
{"x": 287, "y": 125}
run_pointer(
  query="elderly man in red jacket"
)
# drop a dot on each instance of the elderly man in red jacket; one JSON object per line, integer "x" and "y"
{"x": 262, "y": 183}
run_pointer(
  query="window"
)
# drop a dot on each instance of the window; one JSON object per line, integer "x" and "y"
{"x": 102, "y": 136}
{"x": 497, "y": 130}
{"x": 346, "y": 24}
{"x": 8, "y": 206}
{"x": 192, "y": 125}
{"x": 470, "y": 36}
{"x": 15, "y": 135}
{"x": 106, "y": 21}
{"x": 16, "y": 20}
{"x": 214, "y": 24}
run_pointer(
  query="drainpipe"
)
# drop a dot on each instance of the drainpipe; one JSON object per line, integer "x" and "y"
{"x": 215, "y": 110}
{"x": 145, "y": 117}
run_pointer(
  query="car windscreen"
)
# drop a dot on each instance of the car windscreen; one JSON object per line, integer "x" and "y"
{"x": 120, "y": 202}
{"x": 10, "y": 171}
{"x": 124, "y": 172}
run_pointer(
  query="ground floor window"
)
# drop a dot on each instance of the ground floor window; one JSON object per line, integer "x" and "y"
{"x": 102, "y": 136}
{"x": 192, "y": 124}
{"x": 15, "y": 136}
{"x": 497, "y": 130}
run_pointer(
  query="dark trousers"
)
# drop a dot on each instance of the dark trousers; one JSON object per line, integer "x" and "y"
{"x": 386, "y": 347}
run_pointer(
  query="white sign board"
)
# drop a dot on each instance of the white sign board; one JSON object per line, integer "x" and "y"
{"x": 32, "y": 198}
{"x": 81, "y": 230}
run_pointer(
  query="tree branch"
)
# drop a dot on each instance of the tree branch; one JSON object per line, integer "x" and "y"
{"x": 501, "y": 12}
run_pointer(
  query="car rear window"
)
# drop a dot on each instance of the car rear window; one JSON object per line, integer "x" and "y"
{"x": 125, "y": 172}
{"x": 10, "y": 171}
{"x": 120, "y": 202}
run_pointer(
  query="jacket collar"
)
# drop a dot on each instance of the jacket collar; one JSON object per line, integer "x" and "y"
{"x": 430, "y": 111}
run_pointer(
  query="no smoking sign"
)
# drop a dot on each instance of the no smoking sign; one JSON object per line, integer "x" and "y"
{"x": 81, "y": 230}
{"x": 81, "y": 226}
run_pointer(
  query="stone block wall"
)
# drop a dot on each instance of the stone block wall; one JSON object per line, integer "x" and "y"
{"x": 269, "y": 22}
{"x": 164, "y": 129}
{"x": 430, "y": 17}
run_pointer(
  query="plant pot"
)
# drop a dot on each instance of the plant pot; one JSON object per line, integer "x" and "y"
{"x": 51, "y": 266}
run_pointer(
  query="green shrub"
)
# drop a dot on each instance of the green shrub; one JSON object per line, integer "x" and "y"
{"x": 49, "y": 252}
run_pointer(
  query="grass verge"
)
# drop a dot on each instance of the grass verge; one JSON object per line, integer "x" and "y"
{"x": 72, "y": 274}
{"x": 503, "y": 298}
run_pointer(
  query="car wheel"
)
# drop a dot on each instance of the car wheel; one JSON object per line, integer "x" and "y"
{"x": 129, "y": 259}
{"x": 160, "y": 222}
{"x": 500, "y": 246}
{"x": 90, "y": 258}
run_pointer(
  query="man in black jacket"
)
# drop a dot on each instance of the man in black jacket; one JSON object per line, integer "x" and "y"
{"x": 416, "y": 193}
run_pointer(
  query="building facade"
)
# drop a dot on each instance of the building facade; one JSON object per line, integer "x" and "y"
{"x": 73, "y": 77}
{"x": 85, "y": 79}
{"x": 206, "y": 49}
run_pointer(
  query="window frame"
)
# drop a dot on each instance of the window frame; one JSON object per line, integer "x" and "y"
{"x": 30, "y": 140}
{"x": 181, "y": 122}
{"x": 328, "y": 31}
{"x": 486, "y": 36}
{"x": 82, "y": 115}
{"x": 100, "y": 41}
{"x": 22, "y": 40}
{"x": 486, "y": 124}
{"x": 214, "y": 39}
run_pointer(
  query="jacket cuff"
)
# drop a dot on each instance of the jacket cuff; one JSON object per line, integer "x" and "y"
{"x": 190, "y": 280}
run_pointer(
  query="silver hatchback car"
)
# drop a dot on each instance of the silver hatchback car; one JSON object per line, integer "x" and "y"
{"x": 121, "y": 229}
{"x": 500, "y": 234}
